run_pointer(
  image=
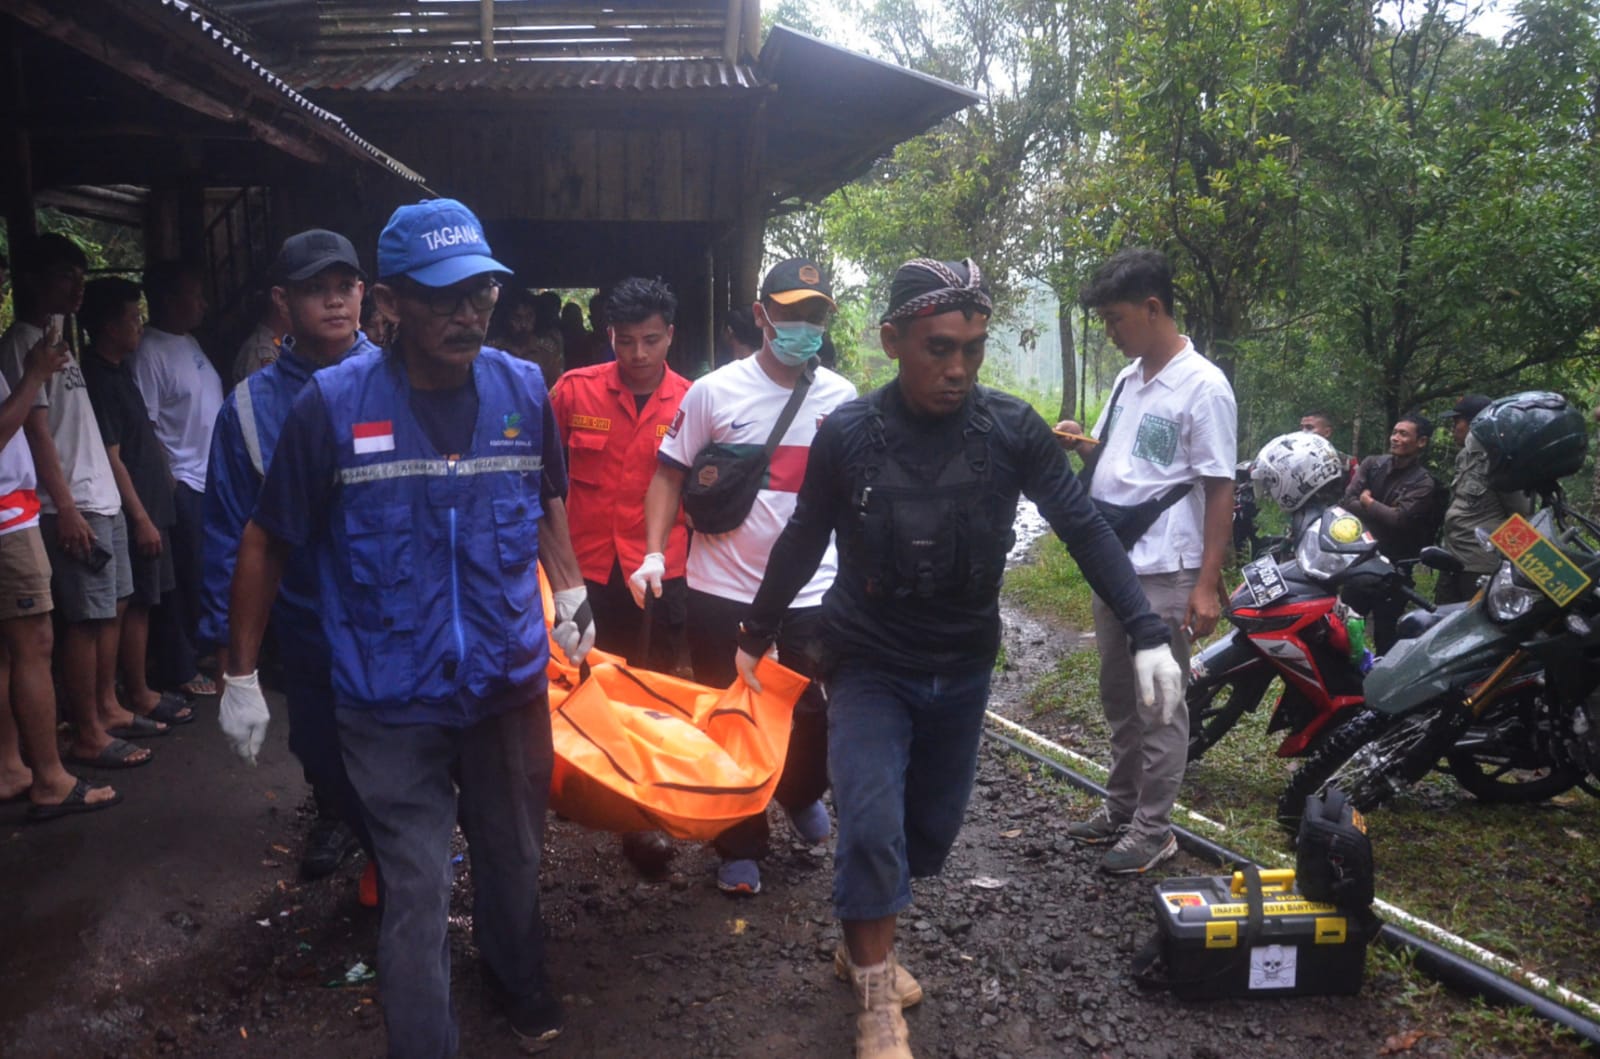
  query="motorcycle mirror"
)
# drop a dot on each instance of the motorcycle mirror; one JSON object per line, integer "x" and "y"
{"x": 1437, "y": 558}
{"x": 1577, "y": 626}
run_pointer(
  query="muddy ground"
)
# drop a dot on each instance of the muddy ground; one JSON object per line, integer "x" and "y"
{"x": 174, "y": 925}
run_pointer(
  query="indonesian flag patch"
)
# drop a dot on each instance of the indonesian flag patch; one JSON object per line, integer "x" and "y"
{"x": 373, "y": 437}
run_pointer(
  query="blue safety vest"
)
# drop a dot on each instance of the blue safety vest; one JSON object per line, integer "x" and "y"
{"x": 428, "y": 573}
{"x": 242, "y": 444}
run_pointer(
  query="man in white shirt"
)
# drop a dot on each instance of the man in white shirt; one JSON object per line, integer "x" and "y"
{"x": 1166, "y": 453}
{"x": 85, "y": 534}
{"x": 737, "y": 407}
{"x": 183, "y": 394}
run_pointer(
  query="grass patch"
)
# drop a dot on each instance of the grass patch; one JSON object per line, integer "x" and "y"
{"x": 1518, "y": 880}
{"x": 1076, "y": 678}
{"x": 1052, "y": 585}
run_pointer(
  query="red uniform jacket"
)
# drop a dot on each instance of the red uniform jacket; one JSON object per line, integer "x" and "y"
{"x": 611, "y": 457}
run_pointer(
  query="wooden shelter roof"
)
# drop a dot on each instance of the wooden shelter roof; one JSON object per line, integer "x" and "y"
{"x": 417, "y": 74}
{"x": 505, "y": 29}
{"x": 176, "y": 49}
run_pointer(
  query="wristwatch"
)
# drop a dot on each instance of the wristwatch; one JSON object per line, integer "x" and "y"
{"x": 755, "y": 638}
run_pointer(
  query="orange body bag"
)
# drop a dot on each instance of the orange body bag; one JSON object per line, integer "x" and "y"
{"x": 637, "y": 750}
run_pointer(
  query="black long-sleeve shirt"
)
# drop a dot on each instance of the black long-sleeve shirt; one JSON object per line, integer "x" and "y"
{"x": 937, "y": 634}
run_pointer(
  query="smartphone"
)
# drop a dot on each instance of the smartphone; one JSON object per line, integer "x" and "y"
{"x": 55, "y": 329}
{"x": 98, "y": 556}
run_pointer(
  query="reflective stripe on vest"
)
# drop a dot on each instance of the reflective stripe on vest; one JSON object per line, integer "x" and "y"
{"x": 247, "y": 425}
{"x": 379, "y": 472}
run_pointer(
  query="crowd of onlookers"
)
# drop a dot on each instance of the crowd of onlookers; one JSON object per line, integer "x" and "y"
{"x": 109, "y": 403}
{"x": 101, "y": 473}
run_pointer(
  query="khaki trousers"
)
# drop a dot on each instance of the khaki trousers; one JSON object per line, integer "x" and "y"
{"x": 1147, "y": 757}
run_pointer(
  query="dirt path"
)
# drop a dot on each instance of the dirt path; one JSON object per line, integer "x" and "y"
{"x": 179, "y": 930}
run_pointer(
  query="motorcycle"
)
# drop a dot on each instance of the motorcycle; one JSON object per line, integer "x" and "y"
{"x": 1295, "y": 619}
{"x": 1503, "y": 688}
{"x": 1245, "y": 509}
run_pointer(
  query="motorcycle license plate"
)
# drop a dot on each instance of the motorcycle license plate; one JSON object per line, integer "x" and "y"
{"x": 1261, "y": 577}
{"x": 1539, "y": 560}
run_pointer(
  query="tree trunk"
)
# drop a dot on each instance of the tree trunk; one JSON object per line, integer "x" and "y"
{"x": 1069, "y": 361}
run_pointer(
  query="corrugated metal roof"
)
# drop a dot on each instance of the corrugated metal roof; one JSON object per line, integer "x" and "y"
{"x": 413, "y": 74}
{"x": 199, "y": 20}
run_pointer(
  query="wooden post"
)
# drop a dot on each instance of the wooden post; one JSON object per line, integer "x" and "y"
{"x": 486, "y": 28}
{"x": 732, "y": 38}
{"x": 750, "y": 29}
{"x": 712, "y": 316}
{"x": 752, "y": 220}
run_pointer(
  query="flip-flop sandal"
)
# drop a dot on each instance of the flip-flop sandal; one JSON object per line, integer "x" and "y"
{"x": 171, "y": 710}
{"x": 75, "y": 803}
{"x": 114, "y": 756}
{"x": 200, "y": 684}
{"x": 138, "y": 728}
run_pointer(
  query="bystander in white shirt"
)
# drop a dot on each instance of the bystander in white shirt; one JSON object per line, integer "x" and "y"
{"x": 1180, "y": 426}
{"x": 183, "y": 393}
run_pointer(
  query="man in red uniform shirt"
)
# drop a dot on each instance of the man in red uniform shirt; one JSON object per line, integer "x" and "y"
{"x": 612, "y": 418}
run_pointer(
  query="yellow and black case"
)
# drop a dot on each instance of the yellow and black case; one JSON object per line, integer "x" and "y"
{"x": 1213, "y": 947}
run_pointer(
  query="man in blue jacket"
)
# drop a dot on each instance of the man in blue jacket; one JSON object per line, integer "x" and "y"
{"x": 426, "y": 482}
{"x": 317, "y": 288}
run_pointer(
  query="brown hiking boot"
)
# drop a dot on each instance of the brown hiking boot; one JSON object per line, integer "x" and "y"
{"x": 881, "y": 1031}
{"x": 907, "y": 988}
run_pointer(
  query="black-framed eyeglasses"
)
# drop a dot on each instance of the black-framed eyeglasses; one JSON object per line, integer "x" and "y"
{"x": 444, "y": 301}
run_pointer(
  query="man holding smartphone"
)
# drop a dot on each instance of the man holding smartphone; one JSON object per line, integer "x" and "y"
{"x": 81, "y": 514}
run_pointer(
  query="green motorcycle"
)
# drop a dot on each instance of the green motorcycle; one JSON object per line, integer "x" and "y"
{"x": 1502, "y": 687}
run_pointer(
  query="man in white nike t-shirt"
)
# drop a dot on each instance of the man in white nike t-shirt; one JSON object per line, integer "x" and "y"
{"x": 739, "y": 405}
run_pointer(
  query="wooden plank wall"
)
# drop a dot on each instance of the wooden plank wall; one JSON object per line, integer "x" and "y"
{"x": 691, "y": 173}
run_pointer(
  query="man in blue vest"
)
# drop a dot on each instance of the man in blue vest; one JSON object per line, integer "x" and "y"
{"x": 426, "y": 482}
{"x": 317, "y": 289}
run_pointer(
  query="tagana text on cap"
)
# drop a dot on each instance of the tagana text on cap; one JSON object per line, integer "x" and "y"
{"x": 437, "y": 242}
{"x": 308, "y": 253}
{"x": 795, "y": 280}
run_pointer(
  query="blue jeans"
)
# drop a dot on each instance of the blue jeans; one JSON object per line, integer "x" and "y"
{"x": 414, "y": 782}
{"x": 902, "y": 754}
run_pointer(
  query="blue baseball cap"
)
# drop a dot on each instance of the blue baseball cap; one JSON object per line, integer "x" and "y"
{"x": 437, "y": 243}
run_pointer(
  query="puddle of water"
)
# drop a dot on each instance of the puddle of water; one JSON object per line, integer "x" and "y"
{"x": 1029, "y": 526}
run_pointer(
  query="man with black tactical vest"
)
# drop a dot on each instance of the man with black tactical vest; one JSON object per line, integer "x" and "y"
{"x": 919, "y": 480}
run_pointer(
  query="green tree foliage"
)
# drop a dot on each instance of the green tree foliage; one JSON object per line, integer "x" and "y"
{"x": 1370, "y": 207}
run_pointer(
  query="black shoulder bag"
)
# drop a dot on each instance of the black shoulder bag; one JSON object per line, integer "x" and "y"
{"x": 722, "y": 485}
{"x": 1129, "y": 523}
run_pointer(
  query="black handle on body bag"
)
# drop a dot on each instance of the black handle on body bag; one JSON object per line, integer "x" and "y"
{"x": 721, "y": 487}
{"x": 1129, "y": 523}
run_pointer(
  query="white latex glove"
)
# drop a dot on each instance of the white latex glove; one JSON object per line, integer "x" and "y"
{"x": 574, "y": 628}
{"x": 244, "y": 714}
{"x": 1160, "y": 681}
{"x": 648, "y": 575}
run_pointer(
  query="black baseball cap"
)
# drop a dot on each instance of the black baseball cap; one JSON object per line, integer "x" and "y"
{"x": 793, "y": 281}
{"x": 307, "y": 253}
{"x": 1469, "y": 406}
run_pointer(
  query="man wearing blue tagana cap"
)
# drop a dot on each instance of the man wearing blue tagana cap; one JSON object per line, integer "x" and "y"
{"x": 426, "y": 480}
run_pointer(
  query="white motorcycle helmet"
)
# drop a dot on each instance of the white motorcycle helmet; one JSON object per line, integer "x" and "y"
{"x": 1292, "y": 467}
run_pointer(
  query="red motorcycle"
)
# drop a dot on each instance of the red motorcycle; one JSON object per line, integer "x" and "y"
{"x": 1294, "y": 619}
